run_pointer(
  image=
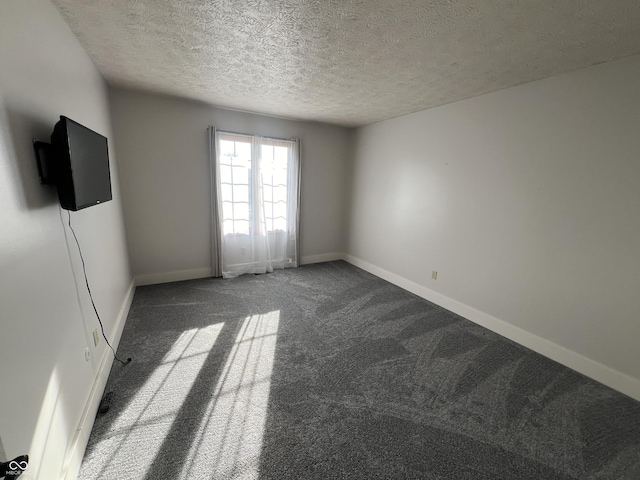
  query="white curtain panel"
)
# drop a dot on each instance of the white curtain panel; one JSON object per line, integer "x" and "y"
{"x": 257, "y": 192}
{"x": 216, "y": 244}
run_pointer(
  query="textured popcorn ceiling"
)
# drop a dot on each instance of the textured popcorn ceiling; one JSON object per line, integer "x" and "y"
{"x": 350, "y": 62}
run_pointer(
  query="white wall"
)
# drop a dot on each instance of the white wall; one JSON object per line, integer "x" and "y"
{"x": 163, "y": 147}
{"x": 46, "y": 319}
{"x": 526, "y": 201}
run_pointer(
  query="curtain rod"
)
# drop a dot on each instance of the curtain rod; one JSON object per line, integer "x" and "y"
{"x": 262, "y": 136}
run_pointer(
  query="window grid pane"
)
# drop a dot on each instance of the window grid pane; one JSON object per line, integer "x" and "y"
{"x": 236, "y": 180}
{"x": 235, "y": 171}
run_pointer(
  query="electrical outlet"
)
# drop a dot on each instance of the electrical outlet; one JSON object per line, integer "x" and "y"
{"x": 434, "y": 275}
{"x": 96, "y": 338}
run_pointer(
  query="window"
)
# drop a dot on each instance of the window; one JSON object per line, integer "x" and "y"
{"x": 257, "y": 181}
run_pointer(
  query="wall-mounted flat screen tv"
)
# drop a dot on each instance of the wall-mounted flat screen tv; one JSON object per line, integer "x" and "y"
{"x": 81, "y": 170}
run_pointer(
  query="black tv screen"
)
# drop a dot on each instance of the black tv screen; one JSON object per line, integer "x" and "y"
{"x": 82, "y": 165}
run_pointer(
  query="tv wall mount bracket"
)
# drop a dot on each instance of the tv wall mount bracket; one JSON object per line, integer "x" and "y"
{"x": 44, "y": 160}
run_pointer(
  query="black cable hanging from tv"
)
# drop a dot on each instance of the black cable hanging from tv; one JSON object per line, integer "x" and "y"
{"x": 86, "y": 280}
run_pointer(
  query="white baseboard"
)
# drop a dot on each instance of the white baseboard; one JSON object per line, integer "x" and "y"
{"x": 601, "y": 373}
{"x": 323, "y": 257}
{"x": 175, "y": 276}
{"x": 78, "y": 445}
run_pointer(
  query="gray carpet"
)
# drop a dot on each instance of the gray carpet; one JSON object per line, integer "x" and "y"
{"x": 327, "y": 371}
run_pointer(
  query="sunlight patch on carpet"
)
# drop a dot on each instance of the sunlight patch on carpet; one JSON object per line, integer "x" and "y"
{"x": 228, "y": 442}
{"x": 149, "y": 416}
